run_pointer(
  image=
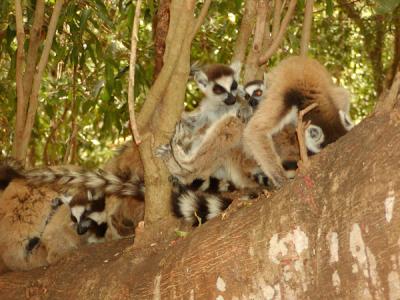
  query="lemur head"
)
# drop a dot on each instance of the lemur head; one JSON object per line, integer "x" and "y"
{"x": 219, "y": 82}
{"x": 87, "y": 211}
{"x": 254, "y": 91}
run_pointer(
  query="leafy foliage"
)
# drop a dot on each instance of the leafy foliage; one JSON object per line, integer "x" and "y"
{"x": 86, "y": 78}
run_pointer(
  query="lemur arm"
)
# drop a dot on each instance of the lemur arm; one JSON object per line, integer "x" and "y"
{"x": 222, "y": 136}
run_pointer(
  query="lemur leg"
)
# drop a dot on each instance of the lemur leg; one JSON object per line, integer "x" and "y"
{"x": 220, "y": 138}
{"x": 258, "y": 141}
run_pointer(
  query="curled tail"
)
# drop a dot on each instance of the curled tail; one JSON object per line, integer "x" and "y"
{"x": 197, "y": 207}
{"x": 67, "y": 180}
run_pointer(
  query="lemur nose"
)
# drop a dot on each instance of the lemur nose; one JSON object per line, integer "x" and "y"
{"x": 253, "y": 102}
{"x": 230, "y": 100}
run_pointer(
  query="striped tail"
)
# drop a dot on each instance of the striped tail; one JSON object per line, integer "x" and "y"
{"x": 67, "y": 180}
{"x": 197, "y": 207}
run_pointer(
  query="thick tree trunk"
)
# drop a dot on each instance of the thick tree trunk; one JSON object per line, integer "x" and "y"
{"x": 333, "y": 232}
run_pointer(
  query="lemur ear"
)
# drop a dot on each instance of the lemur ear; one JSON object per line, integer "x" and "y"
{"x": 236, "y": 66}
{"x": 201, "y": 79}
{"x": 346, "y": 120}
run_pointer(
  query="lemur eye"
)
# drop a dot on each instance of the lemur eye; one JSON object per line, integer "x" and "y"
{"x": 217, "y": 89}
{"x": 73, "y": 219}
{"x": 258, "y": 93}
{"x": 234, "y": 85}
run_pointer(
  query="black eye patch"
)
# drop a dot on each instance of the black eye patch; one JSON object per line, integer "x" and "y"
{"x": 234, "y": 85}
{"x": 247, "y": 96}
{"x": 217, "y": 89}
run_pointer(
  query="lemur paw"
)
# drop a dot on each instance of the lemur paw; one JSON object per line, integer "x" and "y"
{"x": 163, "y": 151}
{"x": 279, "y": 179}
{"x": 244, "y": 113}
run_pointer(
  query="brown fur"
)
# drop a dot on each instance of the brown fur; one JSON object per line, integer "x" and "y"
{"x": 216, "y": 71}
{"x": 304, "y": 78}
{"x": 23, "y": 214}
{"x": 221, "y": 147}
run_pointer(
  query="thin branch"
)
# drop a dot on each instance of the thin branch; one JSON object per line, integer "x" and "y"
{"x": 33, "y": 99}
{"x": 304, "y": 161}
{"x": 53, "y": 128}
{"x": 277, "y": 18}
{"x": 132, "y": 64}
{"x": 246, "y": 28}
{"x": 160, "y": 30}
{"x": 33, "y": 50}
{"x": 200, "y": 19}
{"x": 306, "y": 31}
{"x": 21, "y": 101}
{"x": 275, "y": 44}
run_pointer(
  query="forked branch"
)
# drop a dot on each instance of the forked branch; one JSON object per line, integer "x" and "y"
{"x": 279, "y": 38}
{"x": 304, "y": 162}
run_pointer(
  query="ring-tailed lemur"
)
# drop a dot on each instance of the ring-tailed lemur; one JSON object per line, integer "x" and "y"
{"x": 293, "y": 85}
{"x": 220, "y": 152}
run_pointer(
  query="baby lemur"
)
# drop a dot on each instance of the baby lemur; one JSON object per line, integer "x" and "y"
{"x": 292, "y": 86}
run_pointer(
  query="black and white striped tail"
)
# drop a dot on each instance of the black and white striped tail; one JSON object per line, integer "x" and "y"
{"x": 65, "y": 180}
{"x": 197, "y": 207}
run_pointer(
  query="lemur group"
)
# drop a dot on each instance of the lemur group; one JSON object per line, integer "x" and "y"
{"x": 241, "y": 136}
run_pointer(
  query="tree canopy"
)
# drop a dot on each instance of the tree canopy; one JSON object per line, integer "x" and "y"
{"x": 83, "y": 94}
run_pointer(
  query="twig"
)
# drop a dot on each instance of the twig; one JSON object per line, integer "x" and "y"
{"x": 132, "y": 63}
{"x": 200, "y": 19}
{"x": 306, "y": 31}
{"x": 33, "y": 99}
{"x": 304, "y": 161}
{"x": 275, "y": 44}
{"x": 21, "y": 102}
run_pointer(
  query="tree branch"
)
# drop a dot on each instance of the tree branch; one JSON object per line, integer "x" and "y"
{"x": 200, "y": 19}
{"x": 276, "y": 22}
{"x": 33, "y": 99}
{"x": 132, "y": 64}
{"x": 19, "y": 69}
{"x": 33, "y": 50}
{"x": 276, "y": 43}
{"x": 160, "y": 27}
{"x": 306, "y": 31}
{"x": 252, "y": 66}
{"x": 304, "y": 162}
{"x": 246, "y": 28}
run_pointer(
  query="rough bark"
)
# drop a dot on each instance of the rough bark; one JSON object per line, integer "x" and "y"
{"x": 160, "y": 27}
{"x": 164, "y": 105}
{"x": 245, "y": 31}
{"x": 331, "y": 233}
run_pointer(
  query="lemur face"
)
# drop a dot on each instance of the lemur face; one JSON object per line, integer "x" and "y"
{"x": 254, "y": 91}
{"x": 219, "y": 83}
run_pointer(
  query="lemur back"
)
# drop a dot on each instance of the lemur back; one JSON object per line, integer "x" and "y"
{"x": 293, "y": 85}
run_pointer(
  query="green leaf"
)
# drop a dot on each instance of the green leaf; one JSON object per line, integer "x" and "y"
{"x": 329, "y": 7}
{"x": 84, "y": 18}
